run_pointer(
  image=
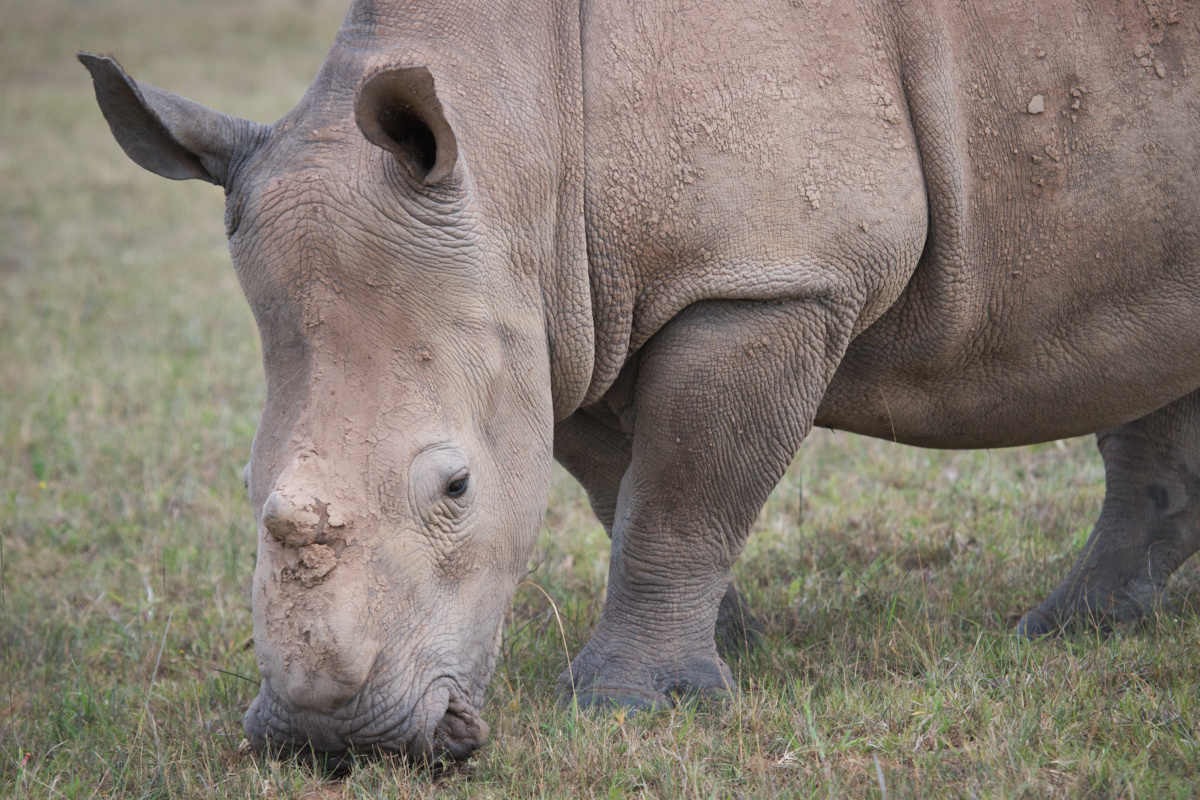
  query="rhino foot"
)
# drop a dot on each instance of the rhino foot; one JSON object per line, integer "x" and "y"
{"x": 1099, "y": 608}
{"x": 599, "y": 679}
{"x": 1035, "y": 625}
{"x": 1148, "y": 526}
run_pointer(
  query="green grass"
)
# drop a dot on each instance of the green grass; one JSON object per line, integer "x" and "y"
{"x": 129, "y": 391}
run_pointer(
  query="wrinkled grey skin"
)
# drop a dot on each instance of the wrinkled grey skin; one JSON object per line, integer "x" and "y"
{"x": 659, "y": 242}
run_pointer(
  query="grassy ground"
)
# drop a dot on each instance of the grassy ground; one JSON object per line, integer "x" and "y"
{"x": 129, "y": 391}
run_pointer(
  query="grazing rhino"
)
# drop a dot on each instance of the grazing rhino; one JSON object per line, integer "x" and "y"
{"x": 659, "y": 242}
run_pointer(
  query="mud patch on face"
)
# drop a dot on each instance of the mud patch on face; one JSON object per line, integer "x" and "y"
{"x": 313, "y": 563}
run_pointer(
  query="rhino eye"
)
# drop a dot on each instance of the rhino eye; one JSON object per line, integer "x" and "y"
{"x": 440, "y": 483}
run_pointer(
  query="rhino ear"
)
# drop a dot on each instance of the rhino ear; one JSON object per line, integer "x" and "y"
{"x": 398, "y": 110}
{"x": 165, "y": 133}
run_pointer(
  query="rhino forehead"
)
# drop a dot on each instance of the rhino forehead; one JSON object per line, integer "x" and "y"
{"x": 316, "y": 228}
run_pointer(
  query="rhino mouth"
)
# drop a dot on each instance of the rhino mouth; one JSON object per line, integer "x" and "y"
{"x": 442, "y": 726}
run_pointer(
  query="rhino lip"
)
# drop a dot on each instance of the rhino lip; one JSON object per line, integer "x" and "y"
{"x": 458, "y": 733}
{"x": 441, "y": 727}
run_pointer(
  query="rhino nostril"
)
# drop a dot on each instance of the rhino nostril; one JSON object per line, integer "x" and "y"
{"x": 292, "y": 519}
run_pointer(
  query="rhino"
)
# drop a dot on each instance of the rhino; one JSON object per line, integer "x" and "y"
{"x": 658, "y": 242}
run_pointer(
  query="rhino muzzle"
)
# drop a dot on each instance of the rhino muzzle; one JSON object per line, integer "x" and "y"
{"x": 333, "y": 687}
{"x": 442, "y": 725}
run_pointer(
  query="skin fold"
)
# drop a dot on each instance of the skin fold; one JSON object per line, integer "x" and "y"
{"x": 659, "y": 241}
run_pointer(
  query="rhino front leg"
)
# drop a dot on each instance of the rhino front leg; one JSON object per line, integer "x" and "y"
{"x": 1148, "y": 526}
{"x": 597, "y": 455}
{"x": 725, "y": 393}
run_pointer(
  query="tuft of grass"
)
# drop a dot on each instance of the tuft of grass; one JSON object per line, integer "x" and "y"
{"x": 130, "y": 388}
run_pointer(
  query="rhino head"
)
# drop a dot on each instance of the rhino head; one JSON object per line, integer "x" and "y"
{"x": 400, "y": 470}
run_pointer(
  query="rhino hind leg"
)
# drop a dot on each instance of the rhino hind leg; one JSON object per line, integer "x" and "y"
{"x": 598, "y": 455}
{"x": 1148, "y": 526}
{"x": 725, "y": 393}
